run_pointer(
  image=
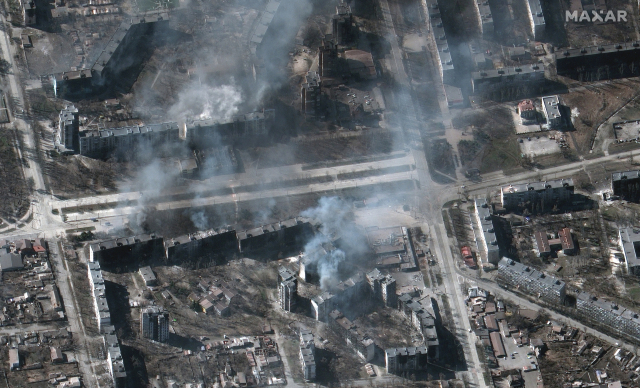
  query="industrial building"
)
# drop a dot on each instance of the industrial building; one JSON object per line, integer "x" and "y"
{"x": 409, "y": 359}
{"x": 551, "y": 108}
{"x": 595, "y": 63}
{"x": 630, "y": 246}
{"x": 485, "y": 18}
{"x": 531, "y": 281}
{"x": 201, "y": 248}
{"x": 287, "y": 288}
{"x": 501, "y": 84}
{"x": 547, "y": 194}
{"x": 626, "y": 185}
{"x": 383, "y": 288}
{"x": 127, "y": 249}
{"x": 536, "y": 18}
{"x": 488, "y": 243}
{"x": 154, "y": 324}
{"x": 307, "y": 354}
{"x": 112, "y": 61}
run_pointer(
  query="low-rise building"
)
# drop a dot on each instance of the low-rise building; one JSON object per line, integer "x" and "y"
{"x": 148, "y": 277}
{"x": 14, "y": 359}
{"x": 551, "y": 107}
{"x": 629, "y": 239}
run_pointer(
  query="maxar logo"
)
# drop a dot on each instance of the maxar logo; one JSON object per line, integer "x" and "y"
{"x": 595, "y": 16}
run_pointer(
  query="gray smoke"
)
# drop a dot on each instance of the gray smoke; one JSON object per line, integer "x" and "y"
{"x": 334, "y": 215}
{"x": 203, "y": 102}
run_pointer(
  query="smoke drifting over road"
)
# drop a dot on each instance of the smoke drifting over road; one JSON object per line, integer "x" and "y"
{"x": 331, "y": 265}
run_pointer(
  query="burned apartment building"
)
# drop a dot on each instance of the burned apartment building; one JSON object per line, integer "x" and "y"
{"x": 383, "y": 288}
{"x": 249, "y": 128}
{"x": 488, "y": 242}
{"x": 342, "y": 25}
{"x": 353, "y": 292}
{"x": 287, "y": 288}
{"x": 407, "y": 359}
{"x": 626, "y": 185}
{"x": 289, "y": 234}
{"x": 311, "y": 97}
{"x": 154, "y": 324}
{"x": 629, "y": 239}
{"x": 66, "y": 137}
{"x": 531, "y": 281}
{"x": 424, "y": 316}
{"x": 101, "y": 143}
{"x": 508, "y": 83}
{"x": 364, "y": 346}
{"x": 485, "y": 18}
{"x": 594, "y": 63}
{"x": 127, "y": 249}
{"x": 536, "y": 18}
{"x": 200, "y": 249}
{"x": 307, "y": 355}
{"x": 114, "y": 60}
{"x": 542, "y": 196}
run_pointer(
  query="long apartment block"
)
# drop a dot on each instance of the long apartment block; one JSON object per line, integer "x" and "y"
{"x": 531, "y": 281}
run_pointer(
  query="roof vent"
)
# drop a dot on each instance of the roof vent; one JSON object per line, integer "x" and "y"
{"x": 636, "y": 44}
{"x": 566, "y": 53}
{"x": 518, "y": 70}
{"x": 500, "y": 71}
{"x": 618, "y": 46}
{"x": 600, "y": 48}
{"x": 583, "y": 50}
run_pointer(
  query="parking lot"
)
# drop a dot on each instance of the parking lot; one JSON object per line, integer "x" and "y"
{"x": 517, "y": 358}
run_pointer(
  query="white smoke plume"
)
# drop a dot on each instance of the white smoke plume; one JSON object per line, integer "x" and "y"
{"x": 202, "y": 102}
{"x": 334, "y": 215}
